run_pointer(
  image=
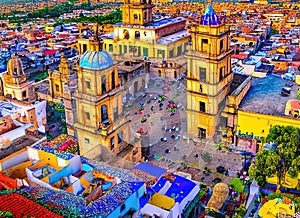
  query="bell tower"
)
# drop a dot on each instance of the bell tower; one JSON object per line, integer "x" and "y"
{"x": 209, "y": 74}
{"x": 16, "y": 83}
{"x": 137, "y": 12}
{"x": 94, "y": 43}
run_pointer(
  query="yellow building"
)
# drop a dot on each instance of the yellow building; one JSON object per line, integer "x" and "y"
{"x": 16, "y": 84}
{"x": 140, "y": 35}
{"x": 263, "y": 107}
{"x": 58, "y": 79}
{"x": 278, "y": 20}
{"x": 98, "y": 118}
{"x": 209, "y": 74}
{"x": 63, "y": 83}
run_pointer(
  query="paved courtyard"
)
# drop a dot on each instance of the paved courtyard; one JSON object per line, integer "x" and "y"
{"x": 172, "y": 148}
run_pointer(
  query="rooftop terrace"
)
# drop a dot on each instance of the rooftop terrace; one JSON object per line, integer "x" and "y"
{"x": 264, "y": 96}
{"x": 71, "y": 200}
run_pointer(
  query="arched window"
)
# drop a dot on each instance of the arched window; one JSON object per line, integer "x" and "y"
{"x": 112, "y": 143}
{"x": 126, "y": 34}
{"x": 137, "y": 34}
{"x": 103, "y": 84}
{"x": 84, "y": 48}
{"x": 159, "y": 73}
{"x": 104, "y": 116}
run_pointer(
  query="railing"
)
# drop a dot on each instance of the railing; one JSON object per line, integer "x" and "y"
{"x": 122, "y": 146}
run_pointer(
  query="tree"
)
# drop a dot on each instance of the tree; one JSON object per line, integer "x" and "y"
{"x": 265, "y": 166}
{"x": 237, "y": 184}
{"x": 240, "y": 212}
{"x": 287, "y": 142}
{"x": 284, "y": 159}
{"x": 206, "y": 157}
{"x": 298, "y": 94}
{"x": 295, "y": 167}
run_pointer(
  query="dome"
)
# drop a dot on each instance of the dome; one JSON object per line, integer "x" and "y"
{"x": 210, "y": 17}
{"x": 96, "y": 60}
{"x": 14, "y": 66}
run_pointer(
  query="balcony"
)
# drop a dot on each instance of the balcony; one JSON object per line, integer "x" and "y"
{"x": 125, "y": 149}
{"x": 103, "y": 127}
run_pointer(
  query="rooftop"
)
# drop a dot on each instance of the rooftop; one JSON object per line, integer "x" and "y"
{"x": 119, "y": 184}
{"x": 8, "y": 108}
{"x": 155, "y": 24}
{"x": 93, "y": 60}
{"x": 264, "y": 96}
{"x": 173, "y": 37}
{"x": 210, "y": 17}
{"x": 21, "y": 206}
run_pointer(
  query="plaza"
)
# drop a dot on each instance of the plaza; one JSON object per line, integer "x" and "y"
{"x": 167, "y": 151}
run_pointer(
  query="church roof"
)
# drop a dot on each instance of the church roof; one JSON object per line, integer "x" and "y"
{"x": 210, "y": 17}
{"x": 96, "y": 60}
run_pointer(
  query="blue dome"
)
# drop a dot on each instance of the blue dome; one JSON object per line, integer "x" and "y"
{"x": 210, "y": 17}
{"x": 96, "y": 60}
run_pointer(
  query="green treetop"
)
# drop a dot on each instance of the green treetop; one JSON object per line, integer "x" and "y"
{"x": 285, "y": 159}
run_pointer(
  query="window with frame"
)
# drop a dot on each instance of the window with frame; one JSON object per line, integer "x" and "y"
{"x": 120, "y": 137}
{"x": 204, "y": 43}
{"x": 115, "y": 113}
{"x": 202, "y": 106}
{"x": 179, "y": 50}
{"x": 145, "y": 52}
{"x": 110, "y": 48}
{"x": 84, "y": 47}
{"x": 221, "y": 73}
{"x": 104, "y": 115}
{"x": 112, "y": 143}
{"x": 161, "y": 53}
{"x": 87, "y": 84}
{"x": 222, "y": 46}
{"x": 87, "y": 116}
{"x": 171, "y": 53}
{"x": 202, "y": 74}
{"x": 56, "y": 87}
{"x": 201, "y": 133}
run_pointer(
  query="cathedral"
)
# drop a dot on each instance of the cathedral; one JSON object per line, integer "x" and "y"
{"x": 141, "y": 35}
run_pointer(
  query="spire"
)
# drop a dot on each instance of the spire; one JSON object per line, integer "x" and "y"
{"x": 209, "y": 17}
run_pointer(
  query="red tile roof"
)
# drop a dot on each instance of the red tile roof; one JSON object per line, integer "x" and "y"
{"x": 20, "y": 206}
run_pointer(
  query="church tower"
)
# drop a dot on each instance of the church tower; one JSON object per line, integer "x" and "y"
{"x": 98, "y": 118}
{"x": 137, "y": 12}
{"x": 63, "y": 83}
{"x": 93, "y": 43}
{"x": 59, "y": 78}
{"x": 16, "y": 83}
{"x": 209, "y": 74}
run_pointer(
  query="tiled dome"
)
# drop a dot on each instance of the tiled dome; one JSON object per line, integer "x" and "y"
{"x": 96, "y": 60}
{"x": 210, "y": 17}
